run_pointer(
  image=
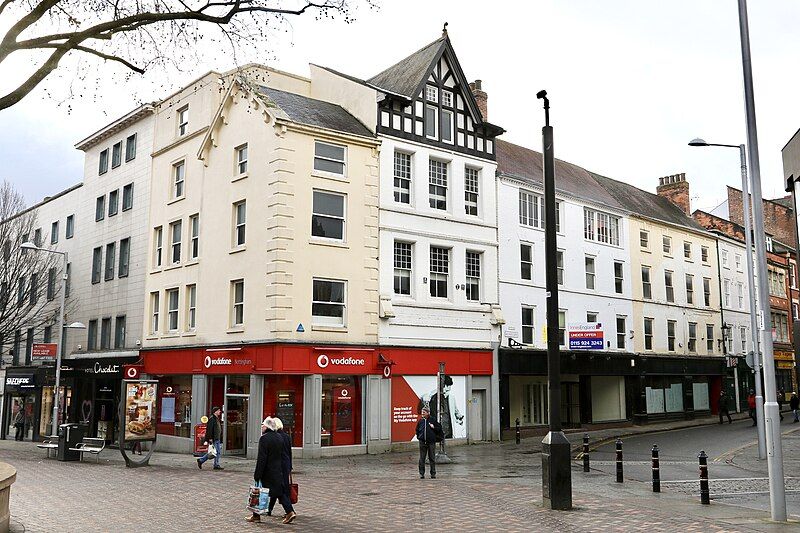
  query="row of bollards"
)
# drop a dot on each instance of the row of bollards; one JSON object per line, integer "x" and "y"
{"x": 705, "y": 494}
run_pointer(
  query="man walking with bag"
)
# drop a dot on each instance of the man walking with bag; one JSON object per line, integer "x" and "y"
{"x": 428, "y": 431}
{"x": 213, "y": 439}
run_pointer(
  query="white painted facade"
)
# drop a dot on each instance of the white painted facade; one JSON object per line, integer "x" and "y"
{"x": 735, "y": 295}
{"x": 574, "y": 297}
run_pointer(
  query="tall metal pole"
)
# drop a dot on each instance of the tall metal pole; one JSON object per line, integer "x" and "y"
{"x": 777, "y": 490}
{"x": 60, "y": 330}
{"x": 762, "y": 449}
{"x": 556, "y": 474}
{"x": 441, "y": 455}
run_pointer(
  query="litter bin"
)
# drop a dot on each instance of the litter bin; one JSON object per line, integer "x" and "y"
{"x": 69, "y": 435}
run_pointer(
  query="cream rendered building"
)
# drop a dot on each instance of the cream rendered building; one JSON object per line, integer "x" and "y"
{"x": 676, "y": 303}
{"x": 263, "y": 260}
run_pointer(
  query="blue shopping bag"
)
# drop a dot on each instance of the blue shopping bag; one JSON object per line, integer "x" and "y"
{"x": 258, "y": 500}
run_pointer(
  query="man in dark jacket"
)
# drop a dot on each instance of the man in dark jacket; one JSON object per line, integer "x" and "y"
{"x": 213, "y": 438}
{"x": 269, "y": 469}
{"x": 724, "y": 407}
{"x": 794, "y": 403}
{"x": 428, "y": 432}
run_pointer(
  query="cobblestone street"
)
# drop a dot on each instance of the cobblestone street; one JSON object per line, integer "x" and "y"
{"x": 493, "y": 487}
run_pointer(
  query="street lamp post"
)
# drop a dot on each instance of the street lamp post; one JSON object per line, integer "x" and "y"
{"x": 754, "y": 303}
{"x": 772, "y": 424}
{"x": 61, "y": 327}
{"x": 556, "y": 474}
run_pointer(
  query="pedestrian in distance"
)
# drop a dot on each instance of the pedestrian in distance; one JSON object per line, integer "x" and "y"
{"x": 751, "y": 405}
{"x": 429, "y": 432}
{"x": 18, "y": 421}
{"x": 724, "y": 407}
{"x": 794, "y": 404}
{"x": 781, "y": 399}
{"x": 269, "y": 470}
{"x": 213, "y": 438}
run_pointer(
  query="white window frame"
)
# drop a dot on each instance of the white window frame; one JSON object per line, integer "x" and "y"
{"x": 472, "y": 181}
{"x": 644, "y": 239}
{"x": 472, "y": 259}
{"x": 239, "y": 236}
{"x": 447, "y": 117}
{"x": 241, "y": 160}
{"x": 442, "y": 272}
{"x": 433, "y": 112}
{"x": 591, "y": 274}
{"x": 183, "y": 121}
{"x": 559, "y": 267}
{"x": 191, "y": 307}
{"x": 155, "y": 310}
{"x": 689, "y": 280}
{"x": 447, "y": 98}
{"x": 704, "y": 254}
{"x": 342, "y": 161}
{"x": 432, "y": 94}
{"x": 158, "y": 246}
{"x": 237, "y": 306}
{"x": 523, "y": 263}
{"x": 173, "y": 309}
{"x": 691, "y": 340}
{"x": 403, "y": 266}
{"x": 619, "y": 280}
{"x": 179, "y": 179}
{"x": 623, "y": 333}
{"x": 175, "y": 251}
{"x": 341, "y": 219}
{"x": 403, "y": 172}
{"x": 666, "y": 245}
{"x": 531, "y": 328}
{"x": 687, "y": 250}
{"x": 648, "y": 336}
{"x": 439, "y": 181}
{"x": 325, "y": 321}
{"x": 602, "y": 227}
{"x": 669, "y": 286}
{"x": 194, "y": 236}
{"x": 671, "y": 336}
{"x": 647, "y": 294}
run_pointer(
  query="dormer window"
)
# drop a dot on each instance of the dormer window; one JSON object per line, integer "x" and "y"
{"x": 447, "y": 98}
{"x": 431, "y": 93}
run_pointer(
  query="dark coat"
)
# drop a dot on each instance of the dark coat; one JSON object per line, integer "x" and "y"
{"x": 427, "y": 434}
{"x": 794, "y": 402}
{"x": 213, "y": 429}
{"x": 269, "y": 467}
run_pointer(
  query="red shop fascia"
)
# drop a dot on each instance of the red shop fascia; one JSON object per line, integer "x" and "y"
{"x": 315, "y": 359}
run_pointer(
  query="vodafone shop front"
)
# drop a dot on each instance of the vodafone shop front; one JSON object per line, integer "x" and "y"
{"x": 332, "y": 400}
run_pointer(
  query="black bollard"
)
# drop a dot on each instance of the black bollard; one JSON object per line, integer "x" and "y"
{"x": 619, "y": 460}
{"x": 519, "y": 435}
{"x": 705, "y": 496}
{"x": 586, "y": 452}
{"x": 656, "y": 472}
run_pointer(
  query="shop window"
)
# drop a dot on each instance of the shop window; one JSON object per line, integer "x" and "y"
{"x": 341, "y": 410}
{"x": 283, "y": 398}
{"x": 175, "y": 406}
{"x": 664, "y": 394}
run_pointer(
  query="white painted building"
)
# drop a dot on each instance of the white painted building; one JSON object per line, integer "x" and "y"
{"x": 102, "y": 225}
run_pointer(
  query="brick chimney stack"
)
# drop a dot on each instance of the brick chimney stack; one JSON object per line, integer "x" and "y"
{"x": 675, "y": 188}
{"x": 481, "y": 97}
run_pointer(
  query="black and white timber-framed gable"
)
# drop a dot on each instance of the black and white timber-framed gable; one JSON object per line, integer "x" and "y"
{"x": 427, "y": 99}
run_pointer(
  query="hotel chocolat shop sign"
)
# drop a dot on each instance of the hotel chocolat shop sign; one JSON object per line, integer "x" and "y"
{"x": 95, "y": 368}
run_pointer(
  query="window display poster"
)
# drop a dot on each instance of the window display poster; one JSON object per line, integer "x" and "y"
{"x": 700, "y": 395}
{"x": 140, "y": 410}
{"x": 674, "y": 395}
{"x": 655, "y": 400}
{"x": 411, "y": 393}
{"x": 168, "y": 409}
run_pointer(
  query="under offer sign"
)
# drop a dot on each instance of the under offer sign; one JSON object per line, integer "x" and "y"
{"x": 44, "y": 351}
{"x": 586, "y": 336}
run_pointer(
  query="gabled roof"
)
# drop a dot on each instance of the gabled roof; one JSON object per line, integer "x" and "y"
{"x": 525, "y": 165}
{"x": 646, "y": 204}
{"x": 521, "y": 163}
{"x": 317, "y": 113}
{"x": 407, "y": 76}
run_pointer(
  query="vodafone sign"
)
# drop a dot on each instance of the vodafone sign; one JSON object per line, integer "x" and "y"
{"x": 342, "y": 362}
{"x": 226, "y": 362}
{"x": 132, "y": 371}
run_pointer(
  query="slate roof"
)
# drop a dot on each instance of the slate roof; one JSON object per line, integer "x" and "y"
{"x": 311, "y": 112}
{"x": 404, "y": 77}
{"x": 522, "y": 163}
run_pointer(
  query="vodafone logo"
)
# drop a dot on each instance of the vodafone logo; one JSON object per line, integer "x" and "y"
{"x": 344, "y": 393}
{"x": 132, "y": 372}
{"x": 208, "y": 362}
{"x": 323, "y": 361}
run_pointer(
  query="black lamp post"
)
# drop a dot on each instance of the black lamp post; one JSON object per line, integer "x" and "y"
{"x": 556, "y": 475}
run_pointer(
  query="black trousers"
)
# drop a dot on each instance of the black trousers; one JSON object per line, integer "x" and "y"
{"x": 286, "y": 502}
{"x": 726, "y": 413}
{"x": 429, "y": 450}
{"x": 20, "y": 431}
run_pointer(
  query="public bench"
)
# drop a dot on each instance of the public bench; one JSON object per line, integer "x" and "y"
{"x": 90, "y": 445}
{"x": 50, "y": 442}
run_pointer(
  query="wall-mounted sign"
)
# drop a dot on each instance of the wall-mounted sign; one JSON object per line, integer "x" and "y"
{"x": 587, "y": 336}
{"x": 227, "y": 362}
{"x": 132, "y": 371}
{"x": 101, "y": 368}
{"x": 324, "y": 360}
{"x": 44, "y": 351}
{"x": 20, "y": 382}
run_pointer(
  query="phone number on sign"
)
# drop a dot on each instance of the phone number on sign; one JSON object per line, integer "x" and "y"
{"x": 593, "y": 343}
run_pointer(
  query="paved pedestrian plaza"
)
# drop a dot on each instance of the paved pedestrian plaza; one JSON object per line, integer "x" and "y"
{"x": 489, "y": 487}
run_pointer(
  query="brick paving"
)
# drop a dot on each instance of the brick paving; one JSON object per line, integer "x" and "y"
{"x": 492, "y": 487}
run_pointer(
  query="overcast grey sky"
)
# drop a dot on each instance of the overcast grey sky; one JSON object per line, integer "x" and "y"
{"x": 630, "y": 83}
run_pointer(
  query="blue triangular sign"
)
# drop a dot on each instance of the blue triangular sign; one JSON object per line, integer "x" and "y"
{"x": 300, "y": 328}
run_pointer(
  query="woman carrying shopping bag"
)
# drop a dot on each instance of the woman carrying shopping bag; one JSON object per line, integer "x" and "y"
{"x": 269, "y": 470}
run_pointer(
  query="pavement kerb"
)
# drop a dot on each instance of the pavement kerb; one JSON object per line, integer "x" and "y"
{"x": 643, "y": 430}
{"x": 730, "y": 454}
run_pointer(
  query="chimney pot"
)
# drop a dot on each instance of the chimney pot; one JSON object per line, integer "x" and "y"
{"x": 480, "y": 97}
{"x": 675, "y": 188}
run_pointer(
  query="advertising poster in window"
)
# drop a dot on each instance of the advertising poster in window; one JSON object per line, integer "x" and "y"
{"x": 140, "y": 410}
{"x": 411, "y": 393}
